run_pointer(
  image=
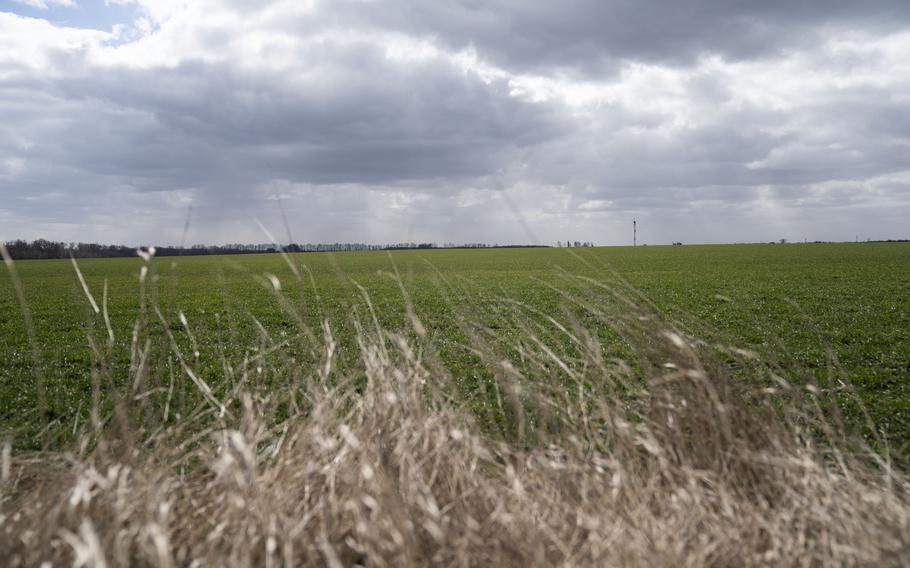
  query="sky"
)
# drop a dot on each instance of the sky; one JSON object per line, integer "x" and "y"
{"x": 497, "y": 121}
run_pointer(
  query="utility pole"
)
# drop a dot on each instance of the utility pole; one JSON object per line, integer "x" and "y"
{"x": 634, "y": 233}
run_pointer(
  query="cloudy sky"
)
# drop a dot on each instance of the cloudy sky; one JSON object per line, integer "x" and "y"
{"x": 502, "y": 121}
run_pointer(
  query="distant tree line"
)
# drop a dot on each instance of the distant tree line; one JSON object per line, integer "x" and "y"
{"x": 575, "y": 244}
{"x": 42, "y": 248}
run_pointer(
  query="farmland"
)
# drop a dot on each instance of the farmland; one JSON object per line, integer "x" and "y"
{"x": 811, "y": 309}
{"x": 611, "y": 406}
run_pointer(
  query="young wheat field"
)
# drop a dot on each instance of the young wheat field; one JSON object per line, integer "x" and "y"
{"x": 685, "y": 406}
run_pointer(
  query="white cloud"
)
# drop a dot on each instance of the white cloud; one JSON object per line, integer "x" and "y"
{"x": 420, "y": 118}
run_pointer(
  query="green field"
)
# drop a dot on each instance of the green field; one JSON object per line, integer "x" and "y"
{"x": 823, "y": 311}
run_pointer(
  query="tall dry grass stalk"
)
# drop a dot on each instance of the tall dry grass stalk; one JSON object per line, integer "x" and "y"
{"x": 659, "y": 461}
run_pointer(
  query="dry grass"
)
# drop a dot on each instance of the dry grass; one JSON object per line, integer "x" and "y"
{"x": 666, "y": 461}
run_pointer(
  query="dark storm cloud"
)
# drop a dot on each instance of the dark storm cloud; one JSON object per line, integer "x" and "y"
{"x": 592, "y": 36}
{"x": 356, "y": 117}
